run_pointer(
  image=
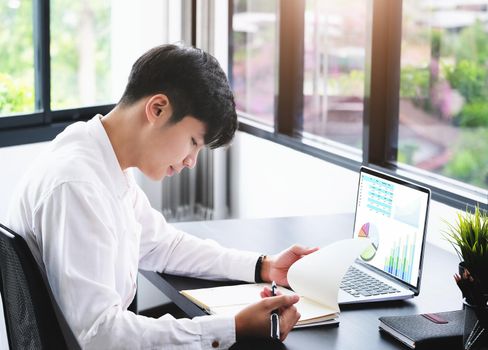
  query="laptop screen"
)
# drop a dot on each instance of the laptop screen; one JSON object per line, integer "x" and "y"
{"x": 393, "y": 214}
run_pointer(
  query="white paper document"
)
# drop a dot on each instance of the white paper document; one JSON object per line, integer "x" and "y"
{"x": 315, "y": 278}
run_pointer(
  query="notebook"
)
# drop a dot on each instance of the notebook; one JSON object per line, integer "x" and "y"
{"x": 392, "y": 213}
{"x": 443, "y": 330}
{"x": 318, "y": 296}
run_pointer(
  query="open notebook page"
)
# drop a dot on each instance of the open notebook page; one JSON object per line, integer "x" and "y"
{"x": 317, "y": 276}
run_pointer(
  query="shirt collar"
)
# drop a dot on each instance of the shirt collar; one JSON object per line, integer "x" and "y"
{"x": 119, "y": 178}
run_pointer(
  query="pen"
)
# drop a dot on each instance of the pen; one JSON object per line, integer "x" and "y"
{"x": 275, "y": 316}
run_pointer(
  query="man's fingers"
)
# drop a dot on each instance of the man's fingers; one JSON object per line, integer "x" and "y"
{"x": 294, "y": 321}
{"x": 266, "y": 292}
{"x": 301, "y": 250}
{"x": 289, "y": 317}
{"x": 280, "y": 301}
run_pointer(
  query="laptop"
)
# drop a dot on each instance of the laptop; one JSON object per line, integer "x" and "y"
{"x": 392, "y": 213}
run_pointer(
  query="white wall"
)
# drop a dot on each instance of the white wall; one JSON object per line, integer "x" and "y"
{"x": 270, "y": 180}
{"x": 15, "y": 161}
{"x": 267, "y": 180}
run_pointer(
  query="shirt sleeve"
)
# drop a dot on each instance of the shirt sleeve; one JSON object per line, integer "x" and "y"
{"x": 165, "y": 249}
{"x": 75, "y": 230}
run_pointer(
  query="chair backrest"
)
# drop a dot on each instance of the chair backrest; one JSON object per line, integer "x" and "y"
{"x": 33, "y": 318}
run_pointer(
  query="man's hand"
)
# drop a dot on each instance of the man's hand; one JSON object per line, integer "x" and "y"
{"x": 275, "y": 267}
{"x": 254, "y": 320}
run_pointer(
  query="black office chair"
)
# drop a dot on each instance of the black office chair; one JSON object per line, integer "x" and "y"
{"x": 33, "y": 318}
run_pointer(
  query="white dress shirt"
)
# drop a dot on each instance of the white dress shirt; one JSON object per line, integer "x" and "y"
{"x": 91, "y": 227}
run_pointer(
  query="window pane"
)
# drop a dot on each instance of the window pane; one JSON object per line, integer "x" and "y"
{"x": 17, "y": 58}
{"x": 80, "y": 53}
{"x": 335, "y": 41}
{"x": 254, "y": 38}
{"x": 444, "y": 89}
{"x": 95, "y": 42}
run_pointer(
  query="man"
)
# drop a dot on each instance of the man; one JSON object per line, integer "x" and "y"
{"x": 91, "y": 227}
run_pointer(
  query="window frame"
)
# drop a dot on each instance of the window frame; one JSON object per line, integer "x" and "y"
{"x": 380, "y": 134}
{"x": 381, "y": 100}
{"x": 43, "y": 124}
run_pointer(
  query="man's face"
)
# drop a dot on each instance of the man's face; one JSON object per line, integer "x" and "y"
{"x": 171, "y": 147}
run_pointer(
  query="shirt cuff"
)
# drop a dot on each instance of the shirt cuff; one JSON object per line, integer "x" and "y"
{"x": 241, "y": 265}
{"x": 218, "y": 332}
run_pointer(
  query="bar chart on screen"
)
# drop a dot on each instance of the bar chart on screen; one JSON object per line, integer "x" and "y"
{"x": 400, "y": 261}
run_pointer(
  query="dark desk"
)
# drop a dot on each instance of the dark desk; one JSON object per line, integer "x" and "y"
{"x": 358, "y": 324}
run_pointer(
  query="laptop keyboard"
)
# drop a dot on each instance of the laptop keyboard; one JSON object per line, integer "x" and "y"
{"x": 358, "y": 283}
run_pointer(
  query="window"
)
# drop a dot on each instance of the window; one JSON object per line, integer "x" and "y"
{"x": 80, "y": 53}
{"x": 84, "y": 52}
{"x": 333, "y": 90}
{"x": 444, "y": 89}
{"x": 16, "y": 58}
{"x": 405, "y": 84}
{"x": 254, "y": 38}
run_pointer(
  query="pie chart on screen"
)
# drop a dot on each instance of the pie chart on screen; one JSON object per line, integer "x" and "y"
{"x": 370, "y": 231}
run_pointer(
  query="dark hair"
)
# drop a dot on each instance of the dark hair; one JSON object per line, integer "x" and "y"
{"x": 194, "y": 84}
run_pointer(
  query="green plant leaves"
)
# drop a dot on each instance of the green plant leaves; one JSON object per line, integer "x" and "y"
{"x": 469, "y": 238}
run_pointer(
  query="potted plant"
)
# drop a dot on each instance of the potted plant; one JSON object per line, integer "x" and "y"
{"x": 469, "y": 237}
